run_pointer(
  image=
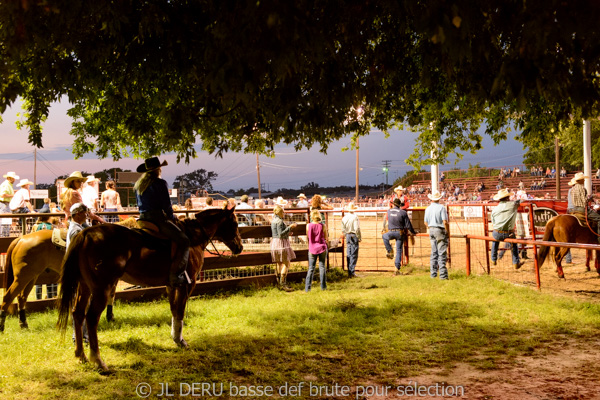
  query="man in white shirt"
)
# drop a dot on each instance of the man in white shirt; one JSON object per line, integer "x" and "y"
{"x": 20, "y": 201}
{"x": 351, "y": 232}
{"x": 89, "y": 193}
{"x": 303, "y": 202}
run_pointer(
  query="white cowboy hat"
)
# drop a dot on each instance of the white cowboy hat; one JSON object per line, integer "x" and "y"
{"x": 435, "y": 196}
{"x": 351, "y": 207}
{"x": 75, "y": 176}
{"x": 280, "y": 201}
{"x": 578, "y": 177}
{"x": 502, "y": 193}
{"x": 399, "y": 189}
{"x": 301, "y": 196}
{"x": 92, "y": 178}
{"x": 24, "y": 182}
{"x": 11, "y": 174}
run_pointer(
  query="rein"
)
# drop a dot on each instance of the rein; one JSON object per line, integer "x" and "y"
{"x": 588, "y": 222}
{"x": 216, "y": 253}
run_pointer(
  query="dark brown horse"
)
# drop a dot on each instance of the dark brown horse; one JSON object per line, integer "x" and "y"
{"x": 30, "y": 258}
{"x": 567, "y": 229}
{"x": 101, "y": 255}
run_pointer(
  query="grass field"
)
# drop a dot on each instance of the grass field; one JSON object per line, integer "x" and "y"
{"x": 375, "y": 330}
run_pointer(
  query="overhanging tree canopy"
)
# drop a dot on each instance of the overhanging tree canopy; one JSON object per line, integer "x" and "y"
{"x": 156, "y": 76}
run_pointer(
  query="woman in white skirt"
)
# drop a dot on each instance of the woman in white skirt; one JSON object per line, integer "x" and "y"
{"x": 281, "y": 251}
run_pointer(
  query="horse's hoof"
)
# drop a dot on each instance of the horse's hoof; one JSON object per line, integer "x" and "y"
{"x": 23, "y": 325}
{"x": 183, "y": 344}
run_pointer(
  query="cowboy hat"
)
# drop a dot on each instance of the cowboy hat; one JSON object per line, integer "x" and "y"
{"x": 502, "y": 193}
{"x": 301, "y": 196}
{"x": 578, "y": 177}
{"x": 92, "y": 178}
{"x": 11, "y": 174}
{"x": 24, "y": 182}
{"x": 280, "y": 201}
{"x": 399, "y": 189}
{"x": 75, "y": 176}
{"x": 77, "y": 208}
{"x": 351, "y": 207}
{"x": 435, "y": 196}
{"x": 151, "y": 164}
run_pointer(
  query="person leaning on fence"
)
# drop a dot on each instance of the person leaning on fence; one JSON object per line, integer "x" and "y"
{"x": 110, "y": 201}
{"x": 20, "y": 203}
{"x": 504, "y": 216}
{"x": 578, "y": 201}
{"x": 281, "y": 250}
{"x": 351, "y": 233}
{"x": 398, "y": 227}
{"x": 317, "y": 250}
{"x": 72, "y": 195}
{"x": 436, "y": 220}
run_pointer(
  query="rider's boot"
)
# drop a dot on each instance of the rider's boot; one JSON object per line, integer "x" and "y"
{"x": 177, "y": 275}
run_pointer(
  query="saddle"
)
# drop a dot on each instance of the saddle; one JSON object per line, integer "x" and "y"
{"x": 582, "y": 221}
{"x": 59, "y": 238}
{"x": 153, "y": 238}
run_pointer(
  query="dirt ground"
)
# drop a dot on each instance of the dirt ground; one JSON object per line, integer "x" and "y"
{"x": 566, "y": 371}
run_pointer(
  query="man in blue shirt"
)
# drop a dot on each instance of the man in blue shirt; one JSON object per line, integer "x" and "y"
{"x": 398, "y": 226}
{"x": 504, "y": 216}
{"x": 436, "y": 219}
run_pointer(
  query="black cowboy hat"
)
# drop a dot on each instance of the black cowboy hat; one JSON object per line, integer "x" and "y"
{"x": 398, "y": 203}
{"x": 151, "y": 164}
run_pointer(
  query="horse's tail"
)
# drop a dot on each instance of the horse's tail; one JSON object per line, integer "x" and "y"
{"x": 548, "y": 237}
{"x": 69, "y": 280}
{"x": 9, "y": 273}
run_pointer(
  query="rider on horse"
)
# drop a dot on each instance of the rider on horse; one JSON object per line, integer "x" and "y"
{"x": 578, "y": 201}
{"x": 153, "y": 200}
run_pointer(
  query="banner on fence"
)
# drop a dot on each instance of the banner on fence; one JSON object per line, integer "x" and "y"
{"x": 473, "y": 212}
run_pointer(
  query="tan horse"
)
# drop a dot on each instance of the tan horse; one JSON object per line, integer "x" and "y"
{"x": 28, "y": 257}
{"x": 101, "y": 255}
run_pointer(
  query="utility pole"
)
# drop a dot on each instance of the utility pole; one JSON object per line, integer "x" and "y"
{"x": 386, "y": 168}
{"x": 258, "y": 174}
{"x": 556, "y": 166}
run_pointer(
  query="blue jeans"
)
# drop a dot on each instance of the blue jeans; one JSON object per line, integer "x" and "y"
{"x": 312, "y": 260}
{"x": 351, "y": 252}
{"x": 514, "y": 247}
{"x": 439, "y": 252}
{"x": 399, "y": 236}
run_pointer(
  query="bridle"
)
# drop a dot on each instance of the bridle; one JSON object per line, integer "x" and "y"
{"x": 216, "y": 252}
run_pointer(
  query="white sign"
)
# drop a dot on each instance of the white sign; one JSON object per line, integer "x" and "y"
{"x": 173, "y": 192}
{"x": 38, "y": 194}
{"x": 473, "y": 212}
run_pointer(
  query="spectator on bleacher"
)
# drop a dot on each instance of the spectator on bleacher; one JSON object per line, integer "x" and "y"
{"x": 534, "y": 185}
{"x": 500, "y": 184}
{"x": 548, "y": 173}
{"x": 547, "y": 196}
{"x": 563, "y": 172}
{"x": 521, "y": 185}
{"x": 553, "y": 173}
{"x": 542, "y": 184}
{"x": 598, "y": 174}
{"x": 442, "y": 177}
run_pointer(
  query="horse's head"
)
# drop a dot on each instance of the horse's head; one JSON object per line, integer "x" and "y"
{"x": 220, "y": 225}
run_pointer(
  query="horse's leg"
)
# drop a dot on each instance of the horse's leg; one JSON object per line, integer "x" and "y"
{"x": 10, "y": 294}
{"x": 81, "y": 302}
{"x": 177, "y": 299}
{"x": 109, "y": 306}
{"x": 22, "y": 300}
{"x": 588, "y": 258}
{"x": 97, "y": 304}
{"x": 597, "y": 262}
{"x": 558, "y": 256}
